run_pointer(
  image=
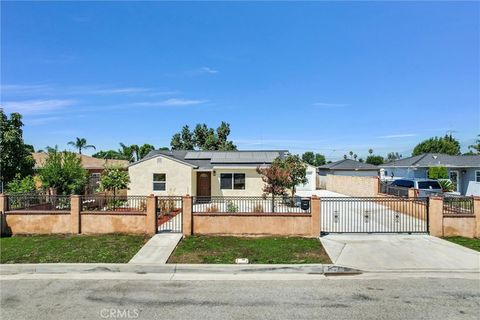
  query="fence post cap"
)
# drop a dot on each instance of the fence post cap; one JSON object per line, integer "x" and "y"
{"x": 75, "y": 196}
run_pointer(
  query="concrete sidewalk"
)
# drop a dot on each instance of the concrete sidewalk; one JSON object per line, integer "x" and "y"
{"x": 158, "y": 249}
{"x": 396, "y": 252}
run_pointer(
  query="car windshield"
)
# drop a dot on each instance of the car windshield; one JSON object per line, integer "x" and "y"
{"x": 428, "y": 185}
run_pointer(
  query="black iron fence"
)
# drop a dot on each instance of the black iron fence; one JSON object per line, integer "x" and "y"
{"x": 249, "y": 205}
{"x": 169, "y": 214}
{"x": 374, "y": 215}
{"x": 37, "y": 202}
{"x": 114, "y": 203}
{"x": 457, "y": 205}
{"x": 393, "y": 190}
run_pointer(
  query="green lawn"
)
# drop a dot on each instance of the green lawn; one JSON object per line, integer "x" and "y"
{"x": 466, "y": 242}
{"x": 70, "y": 248}
{"x": 204, "y": 249}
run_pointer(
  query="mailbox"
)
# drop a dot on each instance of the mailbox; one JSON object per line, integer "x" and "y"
{"x": 305, "y": 204}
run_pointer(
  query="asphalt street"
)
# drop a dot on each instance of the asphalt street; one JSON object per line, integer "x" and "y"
{"x": 329, "y": 298}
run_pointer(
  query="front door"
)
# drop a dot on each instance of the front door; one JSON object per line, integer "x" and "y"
{"x": 454, "y": 177}
{"x": 204, "y": 183}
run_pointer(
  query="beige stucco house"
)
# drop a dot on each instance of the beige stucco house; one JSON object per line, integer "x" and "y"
{"x": 203, "y": 173}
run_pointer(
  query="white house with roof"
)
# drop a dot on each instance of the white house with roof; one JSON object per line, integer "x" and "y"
{"x": 463, "y": 170}
{"x": 204, "y": 173}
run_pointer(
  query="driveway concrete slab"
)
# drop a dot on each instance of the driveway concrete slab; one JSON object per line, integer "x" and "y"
{"x": 370, "y": 252}
{"x": 158, "y": 249}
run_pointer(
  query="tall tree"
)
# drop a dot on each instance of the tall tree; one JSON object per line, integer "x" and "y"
{"x": 203, "y": 138}
{"x": 16, "y": 159}
{"x": 81, "y": 144}
{"x": 351, "y": 154}
{"x": 392, "y": 156}
{"x": 309, "y": 157}
{"x": 144, "y": 150}
{"x": 107, "y": 154}
{"x": 447, "y": 144}
{"x": 375, "y": 160}
{"x": 314, "y": 159}
{"x": 370, "y": 151}
{"x": 475, "y": 148}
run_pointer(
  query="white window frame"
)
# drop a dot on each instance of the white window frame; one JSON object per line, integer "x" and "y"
{"x": 477, "y": 175}
{"x": 232, "y": 187}
{"x": 159, "y": 181}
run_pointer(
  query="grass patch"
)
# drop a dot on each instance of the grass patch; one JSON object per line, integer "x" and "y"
{"x": 466, "y": 242}
{"x": 112, "y": 248}
{"x": 274, "y": 250}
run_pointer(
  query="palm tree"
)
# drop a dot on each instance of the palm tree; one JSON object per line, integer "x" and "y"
{"x": 81, "y": 143}
{"x": 370, "y": 150}
{"x": 355, "y": 156}
{"x": 351, "y": 154}
{"x": 476, "y": 145}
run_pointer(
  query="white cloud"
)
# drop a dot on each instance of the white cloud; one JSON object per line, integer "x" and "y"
{"x": 208, "y": 70}
{"x": 41, "y": 121}
{"x": 401, "y": 135}
{"x": 330, "y": 105}
{"x": 171, "y": 102}
{"x": 120, "y": 90}
{"x": 36, "y": 106}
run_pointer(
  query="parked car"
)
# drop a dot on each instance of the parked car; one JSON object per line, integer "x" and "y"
{"x": 424, "y": 187}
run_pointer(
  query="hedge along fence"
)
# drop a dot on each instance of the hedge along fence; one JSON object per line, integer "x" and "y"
{"x": 46, "y": 214}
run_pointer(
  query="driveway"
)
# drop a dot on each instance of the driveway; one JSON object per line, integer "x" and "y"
{"x": 396, "y": 252}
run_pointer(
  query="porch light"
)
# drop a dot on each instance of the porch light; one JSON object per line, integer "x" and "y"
{"x": 214, "y": 173}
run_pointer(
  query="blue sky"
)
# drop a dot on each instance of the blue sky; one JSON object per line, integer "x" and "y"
{"x": 324, "y": 76}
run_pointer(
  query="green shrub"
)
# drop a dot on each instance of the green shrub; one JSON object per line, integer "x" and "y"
{"x": 231, "y": 207}
{"x": 437, "y": 173}
{"x": 21, "y": 185}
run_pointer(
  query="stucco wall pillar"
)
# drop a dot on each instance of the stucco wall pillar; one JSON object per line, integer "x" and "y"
{"x": 3, "y": 209}
{"x": 151, "y": 216}
{"x": 435, "y": 216}
{"x": 412, "y": 193}
{"x": 315, "y": 216}
{"x": 187, "y": 207}
{"x": 75, "y": 208}
{"x": 476, "y": 212}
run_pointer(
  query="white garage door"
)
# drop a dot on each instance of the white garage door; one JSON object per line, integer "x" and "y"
{"x": 310, "y": 185}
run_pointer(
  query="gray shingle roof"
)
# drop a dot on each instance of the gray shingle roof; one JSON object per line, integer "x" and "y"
{"x": 348, "y": 164}
{"x": 436, "y": 159}
{"x": 210, "y": 159}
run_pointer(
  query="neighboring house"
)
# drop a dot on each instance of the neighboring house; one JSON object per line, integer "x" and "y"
{"x": 203, "y": 173}
{"x": 463, "y": 171}
{"x": 348, "y": 167}
{"x": 94, "y": 166}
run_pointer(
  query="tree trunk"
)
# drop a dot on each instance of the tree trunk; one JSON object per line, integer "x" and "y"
{"x": 273, "y": 202}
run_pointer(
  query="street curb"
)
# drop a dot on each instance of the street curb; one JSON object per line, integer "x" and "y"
{"x": 90, "y": 268}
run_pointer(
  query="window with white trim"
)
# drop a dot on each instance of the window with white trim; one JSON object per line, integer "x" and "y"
{"x": 235, "y": 181}
{"x": 159, "y": 182}
{"x": 477, "y": 175}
